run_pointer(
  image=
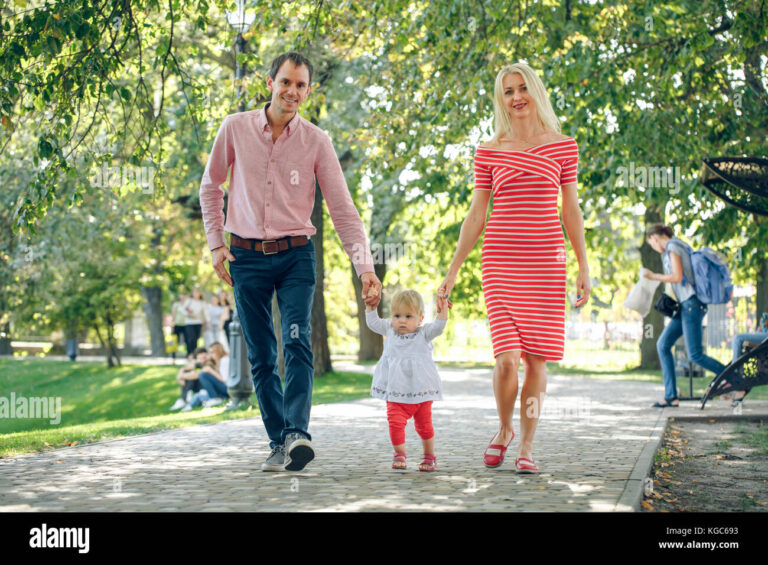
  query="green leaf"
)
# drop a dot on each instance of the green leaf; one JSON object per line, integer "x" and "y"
{"x": 54, "y": 45}
{"x": 45, "y": 149}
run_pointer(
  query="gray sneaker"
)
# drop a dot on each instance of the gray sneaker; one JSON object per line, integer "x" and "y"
{"x": 298, "y": 452}
{"x": 276, "y": 460}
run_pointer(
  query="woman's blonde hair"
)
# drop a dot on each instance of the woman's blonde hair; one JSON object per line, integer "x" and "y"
{"x": 409, "y": 299}
{"x": 217, "y": 351}
{"x": 544, "y": 111}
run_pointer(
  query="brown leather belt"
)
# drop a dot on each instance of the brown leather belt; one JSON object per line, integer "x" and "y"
{"x": 269, "y": 246}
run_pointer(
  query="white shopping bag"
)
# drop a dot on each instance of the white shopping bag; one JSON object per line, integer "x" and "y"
{"x": 640, "y": 298}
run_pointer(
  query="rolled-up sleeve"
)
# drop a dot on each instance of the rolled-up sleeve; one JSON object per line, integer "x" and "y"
{"x": 346, "y": 218}
{"x": 211, "y": 194}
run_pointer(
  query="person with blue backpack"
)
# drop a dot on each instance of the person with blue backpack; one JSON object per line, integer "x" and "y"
{"x": 697, "y": 278}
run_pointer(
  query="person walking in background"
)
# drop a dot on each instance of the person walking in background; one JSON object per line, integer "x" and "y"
{"x": 214, "y": 331}
{"x": 689, "y": 316}
{"x": 276, "y": 157}
{"x": 180, "y": 320}
{"x": 526, "y": 165}
{"x": 196, "y": 316}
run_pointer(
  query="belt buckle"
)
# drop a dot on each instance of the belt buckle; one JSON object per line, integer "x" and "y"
{"x": 264, "y": 250}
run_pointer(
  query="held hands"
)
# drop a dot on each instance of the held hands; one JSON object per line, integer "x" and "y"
{"x": 443, "y": 292}
{"x": 371, "y": 294}
{"x": 218, "y": 256}
{"x": 582, "y": 288}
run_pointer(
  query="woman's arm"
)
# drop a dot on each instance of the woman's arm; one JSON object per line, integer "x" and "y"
{"x": 573, "y": 220}
{"x": 471, "y": 228}
{"x": 677, "y": 270}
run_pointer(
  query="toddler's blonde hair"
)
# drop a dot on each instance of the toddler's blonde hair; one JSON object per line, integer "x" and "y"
{"x": 409, "y": 299}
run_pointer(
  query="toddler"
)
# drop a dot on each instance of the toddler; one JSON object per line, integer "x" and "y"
{"x": 406, "y": 376}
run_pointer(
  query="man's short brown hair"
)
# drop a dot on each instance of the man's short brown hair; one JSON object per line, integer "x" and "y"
{"x": 296, "y": 58}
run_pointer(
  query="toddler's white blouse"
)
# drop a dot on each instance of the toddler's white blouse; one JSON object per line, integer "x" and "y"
{"x": 406, "y": 372}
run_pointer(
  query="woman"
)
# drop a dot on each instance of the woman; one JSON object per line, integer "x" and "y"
{"x": 687, "y": 320}
{"x": 525, "y": 164}
{"x": 196, "y": 314}
{"x": 214, "y": 330}
{"x": 213, "y": 378}
{"x": 179, "y": 321}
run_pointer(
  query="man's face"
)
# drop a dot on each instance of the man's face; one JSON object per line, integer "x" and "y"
{"x": 202, "y": 357}
{"x": 290, "y": 87}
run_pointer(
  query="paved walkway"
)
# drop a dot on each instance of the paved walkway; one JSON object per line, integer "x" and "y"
{"x": 594, "y": 445}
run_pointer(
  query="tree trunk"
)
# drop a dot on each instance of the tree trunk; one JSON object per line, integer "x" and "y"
{"x": 104, "y": 345}
{"x": 112, "y": 352}
{"x": 321, "y": 352}
{"x": 653, "y": 323}
{"x": 153, "y": 310}
{"x": 371, "y": 343}
{"x": 5, "y": 339}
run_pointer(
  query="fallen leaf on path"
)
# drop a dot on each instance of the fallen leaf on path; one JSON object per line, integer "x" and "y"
{"x": 646, "y": 505}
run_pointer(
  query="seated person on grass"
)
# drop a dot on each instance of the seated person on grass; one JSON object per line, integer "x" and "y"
{"x": 213, "y": 380}
{"x": 188, "y": 377}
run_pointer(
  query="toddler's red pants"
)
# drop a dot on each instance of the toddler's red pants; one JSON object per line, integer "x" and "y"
{"x": 398, "y": 414}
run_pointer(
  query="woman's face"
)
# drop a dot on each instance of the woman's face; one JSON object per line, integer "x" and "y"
{"x": 518, "y": 102}
{"x": 656, "y": 242}
{"x": 197, "y": 295}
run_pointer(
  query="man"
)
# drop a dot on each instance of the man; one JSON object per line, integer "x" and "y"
{"x": 274, "y": 156}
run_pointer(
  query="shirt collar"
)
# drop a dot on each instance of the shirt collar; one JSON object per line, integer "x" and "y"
{"x": 264, "y": 123}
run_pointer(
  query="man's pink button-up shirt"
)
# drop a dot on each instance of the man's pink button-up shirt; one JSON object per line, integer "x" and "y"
{"x": 272, "y": 185}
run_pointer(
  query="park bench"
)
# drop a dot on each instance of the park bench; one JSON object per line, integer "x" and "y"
{"x": 746, "y": 372}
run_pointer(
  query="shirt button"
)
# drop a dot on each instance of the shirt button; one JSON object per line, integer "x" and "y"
{"x": 269, "y": 182}
{"x": 267, "y": 203}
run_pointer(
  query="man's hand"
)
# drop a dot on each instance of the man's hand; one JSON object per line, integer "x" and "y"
{"x": 371, "y": 289}
{"x": 218, "y": 256}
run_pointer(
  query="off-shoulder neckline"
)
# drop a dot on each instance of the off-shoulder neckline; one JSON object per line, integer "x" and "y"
{"x": 527, "y": 148}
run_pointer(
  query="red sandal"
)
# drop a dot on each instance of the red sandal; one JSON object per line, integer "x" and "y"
{"x": 494, "y": 453}
{"x": 428, "y": 464}
{"x": 398, "y": 461}
{"x": 525, "y": 465}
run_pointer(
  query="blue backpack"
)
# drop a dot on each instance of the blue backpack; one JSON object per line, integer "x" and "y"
{"x": 711, "y": 277}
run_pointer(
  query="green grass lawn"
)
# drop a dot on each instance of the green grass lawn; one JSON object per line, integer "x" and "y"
{"x": 99, "y": 404}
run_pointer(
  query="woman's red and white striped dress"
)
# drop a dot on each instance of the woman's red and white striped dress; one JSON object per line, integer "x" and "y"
{"x": 523, "y": 254}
